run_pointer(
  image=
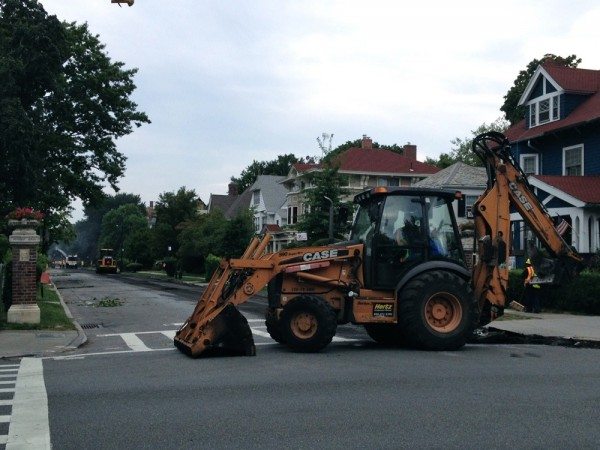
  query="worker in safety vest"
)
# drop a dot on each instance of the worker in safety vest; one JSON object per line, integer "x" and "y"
{"x": 532, "y": 290}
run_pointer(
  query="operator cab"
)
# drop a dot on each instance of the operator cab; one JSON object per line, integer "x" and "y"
{"x": 402, "y": 228}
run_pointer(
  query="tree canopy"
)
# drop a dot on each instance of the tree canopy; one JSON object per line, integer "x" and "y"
{"x": 63, "y": 105}
{"x": 461, "y": 147}
{"x": 514, "y": 113}
{"x": 279, "y": 166}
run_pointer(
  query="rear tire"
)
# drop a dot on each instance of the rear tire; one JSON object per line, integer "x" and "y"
{"x": 308, "y": 323}
{"x": 274, "y": 326}
{"x": 437, "y": 311}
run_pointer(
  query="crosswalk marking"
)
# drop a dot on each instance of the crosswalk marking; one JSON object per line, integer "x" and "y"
{"x": 134, "y": 342}
{"x": 3, "y": 439}
{"x": 4, "y": 419}
{"x": 6, "y": 402}
{"x": 260, "y": 333}
{"x": 4, "y": 390}
{"x": 8, "y": 370}
{"x": 169, "y": 333}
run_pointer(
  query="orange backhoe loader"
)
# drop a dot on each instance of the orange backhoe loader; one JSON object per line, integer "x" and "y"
{"x": 402, "y": 274}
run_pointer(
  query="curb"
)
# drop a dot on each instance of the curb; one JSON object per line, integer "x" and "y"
{"x": 497, "y": 336}
{"x": 81, "y": 336}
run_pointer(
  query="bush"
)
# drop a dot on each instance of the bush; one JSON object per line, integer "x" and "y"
{"x": 211, "y": 263}
{"x": 170, "y": 266}
{"x": 580, "y": 296}
{"x": 134, "y": 267}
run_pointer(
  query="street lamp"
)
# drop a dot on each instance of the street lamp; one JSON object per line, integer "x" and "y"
{"x": 330, "y": 218}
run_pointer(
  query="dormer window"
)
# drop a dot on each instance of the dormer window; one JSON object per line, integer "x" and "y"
{"x": 544, "y": 110}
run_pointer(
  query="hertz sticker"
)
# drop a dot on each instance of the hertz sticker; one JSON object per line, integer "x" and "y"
{"x": 383, "y": 310}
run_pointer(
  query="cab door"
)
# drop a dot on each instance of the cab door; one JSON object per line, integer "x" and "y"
{"x": 400, "y": 240}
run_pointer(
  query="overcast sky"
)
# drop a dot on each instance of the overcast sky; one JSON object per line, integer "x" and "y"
{"x": 229, "y": 82}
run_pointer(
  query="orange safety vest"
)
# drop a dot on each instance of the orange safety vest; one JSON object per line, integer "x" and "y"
{"x": 530, "y": 275}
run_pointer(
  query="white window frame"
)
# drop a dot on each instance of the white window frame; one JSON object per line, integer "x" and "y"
{"x": 534, "y": 107}
{"x": 572, "y": 147}
{"x": 529, "y": 155}
{"x": 256, "y": 198}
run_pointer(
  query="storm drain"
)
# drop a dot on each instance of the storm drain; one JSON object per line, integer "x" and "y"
{"x": 89, "y": 326}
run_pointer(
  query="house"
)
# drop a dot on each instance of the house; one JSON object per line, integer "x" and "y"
{"x": 363, "y": 167}
{"x": 470, "y": 181}
{"x": 223, "y": 202}
{"x": 558, "y": 145}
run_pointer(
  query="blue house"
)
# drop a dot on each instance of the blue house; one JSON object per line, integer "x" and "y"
{"x": 558, "y": 146}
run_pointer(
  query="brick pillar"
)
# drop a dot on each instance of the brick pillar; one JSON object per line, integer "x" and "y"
{"x": 24, "y": 242}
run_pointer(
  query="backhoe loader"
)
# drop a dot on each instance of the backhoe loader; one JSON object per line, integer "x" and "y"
{"x": 402, "y": 273}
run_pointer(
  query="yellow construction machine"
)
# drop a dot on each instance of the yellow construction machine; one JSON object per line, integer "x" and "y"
{"x": 402, "y": 273}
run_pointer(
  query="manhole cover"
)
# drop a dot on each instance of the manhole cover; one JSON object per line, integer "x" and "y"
{"x": 89, "y": 326}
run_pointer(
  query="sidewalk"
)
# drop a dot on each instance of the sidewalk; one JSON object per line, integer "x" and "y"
{"x": 547, "y": 325}
{"x": 41, "y": 342}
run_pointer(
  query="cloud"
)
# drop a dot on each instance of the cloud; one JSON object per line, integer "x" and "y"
{"x": 226, "y": 83}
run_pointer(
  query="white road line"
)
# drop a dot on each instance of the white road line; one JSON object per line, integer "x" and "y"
{"x": 7, "y": 390}
{"x": 6, "y": 402}
{"x": 4, "y": 419}
{"x": 3, "y": 439}
{"x": 121, "y": 352}
{"x": 134, "y": 342}
{"x": 341, "y": 339}
{"x": 9, "y": 370}
{"x": 169, "y": 333}
{"x": 29, "y": 427}
{"x": 260, "y": 333}
{"x": 256, "y": 320}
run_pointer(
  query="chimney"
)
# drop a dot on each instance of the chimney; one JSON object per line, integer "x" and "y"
{"x": 367, "y": 142}
{"x": 233, "y": 190}
{"x": 151, "y": 204}
{"x": 410, "y": 151}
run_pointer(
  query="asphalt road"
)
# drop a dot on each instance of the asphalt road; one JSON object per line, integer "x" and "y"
{"x": 129, "y": 388}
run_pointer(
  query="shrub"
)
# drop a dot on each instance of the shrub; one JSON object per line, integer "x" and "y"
{"x": 170, "y": 266}
{"x": 134, "y": 267}
{"x": 211, "y": 263}
{"x": 580, "y": 295}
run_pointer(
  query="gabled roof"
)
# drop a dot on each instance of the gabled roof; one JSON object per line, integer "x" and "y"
{"x": 457, "y": 176}
{"x": 585, "y": 189}
{"x": 271, "y": 190}
{"x": 575, "y": 81}
{"x": 240, "y": 203}
{"x": 377, "y": 160}
{"x": 222, "y": 202}
{"x": 374, "y": 160}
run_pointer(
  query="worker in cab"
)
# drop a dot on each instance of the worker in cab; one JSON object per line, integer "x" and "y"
{"x": 532, "y": 289}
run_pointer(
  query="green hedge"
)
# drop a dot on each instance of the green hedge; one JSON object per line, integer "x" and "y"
{"x": 582, "y": 295}
{"x": 210, "y": 265}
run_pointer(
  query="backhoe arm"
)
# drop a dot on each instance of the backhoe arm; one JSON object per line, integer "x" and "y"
{"x": 507, "y": 185}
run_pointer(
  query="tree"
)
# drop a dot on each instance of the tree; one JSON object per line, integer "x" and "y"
{"x": 119, "y": 225}
{"x": 63, "y": 104}
{"x": 88, "y": 230}
{"x": 514, "y": 113}
{"x": 173, "y": 210}
{"x": 279, "y": 166}
{"x": 326, "y": 183}
{"x": 461, "y": 150}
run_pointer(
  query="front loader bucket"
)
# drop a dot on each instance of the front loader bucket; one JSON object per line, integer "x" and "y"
{"x": 227, "y": 334}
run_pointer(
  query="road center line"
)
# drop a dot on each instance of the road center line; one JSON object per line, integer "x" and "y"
{"x": 29, "y": 427}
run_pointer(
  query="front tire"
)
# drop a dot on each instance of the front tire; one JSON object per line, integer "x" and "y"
{"x": 273, "y": 325}
{"x": 437, "y": 311}
{"x": 308, "y": 323}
